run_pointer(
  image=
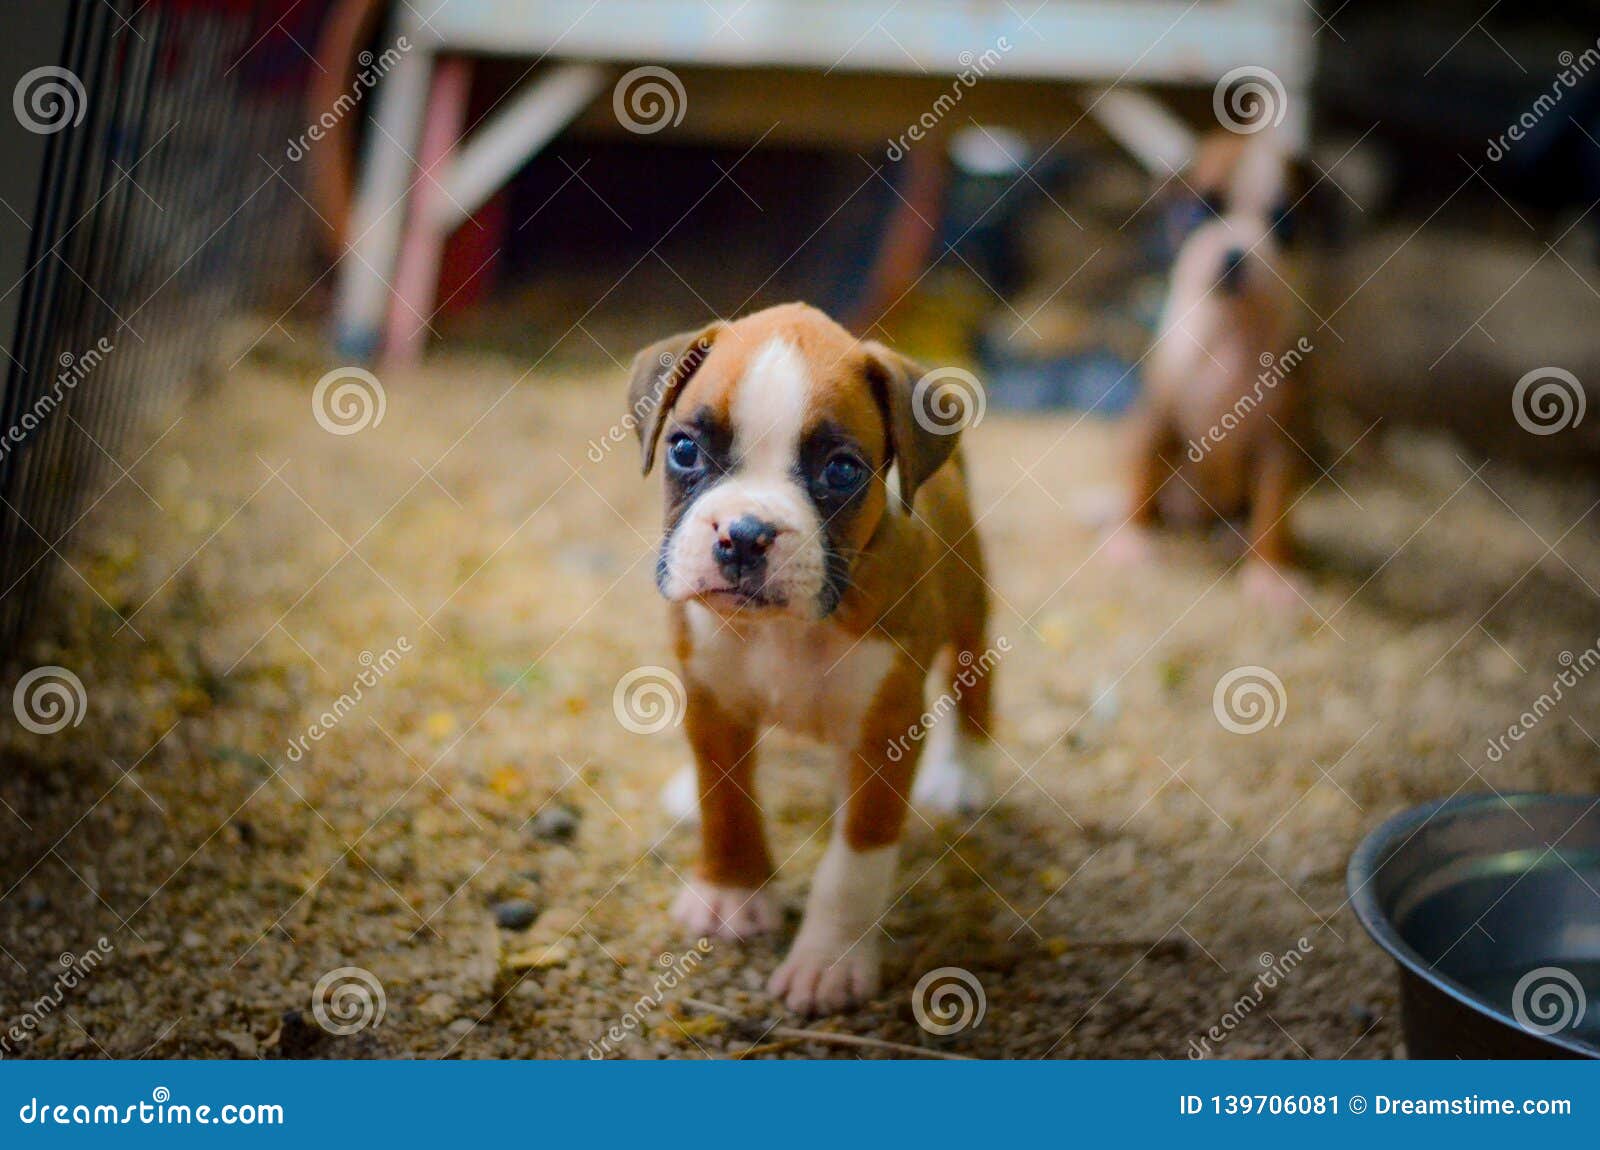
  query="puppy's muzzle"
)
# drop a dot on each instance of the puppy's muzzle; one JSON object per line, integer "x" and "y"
{"x": 740, "y": 550}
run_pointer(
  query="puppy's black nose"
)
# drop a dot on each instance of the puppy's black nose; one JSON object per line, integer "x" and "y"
{"x": 1233, "y": 269}
{"x": 741, "y": 547}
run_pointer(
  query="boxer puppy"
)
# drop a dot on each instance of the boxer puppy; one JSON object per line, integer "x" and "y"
{"x": 822, "y": 571}
{"x": 1215, "y": 434}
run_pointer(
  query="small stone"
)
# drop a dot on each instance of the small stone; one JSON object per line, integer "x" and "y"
{"x": 244, "y": 1045}
{"x": 439, "y": 725}
{"x": 538, "y": 957}
{"x": 36, "y": 903}
{"x": 297, "y": 1036}
{"x": 1107, "y": 703}
{"x": 515, "y": 914}
{"x": 460, "y": 1028}
{"x": 554, "y": 824}
{"x": 439, "y": 1007}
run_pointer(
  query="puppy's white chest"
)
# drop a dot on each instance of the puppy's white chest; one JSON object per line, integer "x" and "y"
{"x": 809, "y": 677}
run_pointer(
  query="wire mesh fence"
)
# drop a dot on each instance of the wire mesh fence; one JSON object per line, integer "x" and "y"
{"x": 155, "y": 213}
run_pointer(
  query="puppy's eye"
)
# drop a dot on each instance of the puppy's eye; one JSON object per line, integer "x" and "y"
{"x": 843, "y": 473}
{"x": 683, "y": 453}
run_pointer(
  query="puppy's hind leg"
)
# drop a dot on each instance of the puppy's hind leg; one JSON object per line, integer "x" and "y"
{"x": 1269, "y": 574}
{"x": 956, "y": 775}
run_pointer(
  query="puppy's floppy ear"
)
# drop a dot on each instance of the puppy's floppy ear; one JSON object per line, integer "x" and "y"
{"x": 921, "y": 438}
{"x": 659, "y": 373}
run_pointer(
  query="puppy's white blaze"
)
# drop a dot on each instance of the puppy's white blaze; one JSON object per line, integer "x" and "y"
{"x": 769, "y": 410}
{"x": 769, "y": 413}
{"x": 892, "y": 478}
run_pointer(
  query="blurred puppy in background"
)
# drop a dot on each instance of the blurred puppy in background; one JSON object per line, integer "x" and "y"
{"x": 1216, "y": 433}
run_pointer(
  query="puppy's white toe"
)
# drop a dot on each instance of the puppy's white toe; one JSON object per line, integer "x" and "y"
{"x": 711, "y": 911}
{"x": 952, "y": 780}
{"x": 680, "y": 798}
{"x": 1128, "y": 546}
{"x": 1275, "y": 587}
{"x": 815, "y": 980}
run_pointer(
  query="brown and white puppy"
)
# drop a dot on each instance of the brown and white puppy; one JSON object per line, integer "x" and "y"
{"x": 820, "y": 561}
{"x": 1214, "y": 435}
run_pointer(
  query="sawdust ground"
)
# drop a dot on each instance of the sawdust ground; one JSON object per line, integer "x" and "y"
{"x": 1142, "y": 862}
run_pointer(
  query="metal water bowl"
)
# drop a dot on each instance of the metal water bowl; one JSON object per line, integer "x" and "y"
{"x": 1490, "y": 906}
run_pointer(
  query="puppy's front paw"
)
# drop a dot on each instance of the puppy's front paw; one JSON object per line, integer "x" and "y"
{"x": 711, "y": 911}
{"x": 820, "y": 980}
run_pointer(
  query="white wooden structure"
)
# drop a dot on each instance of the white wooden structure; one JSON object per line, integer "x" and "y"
{"x": 387, "y": 279}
